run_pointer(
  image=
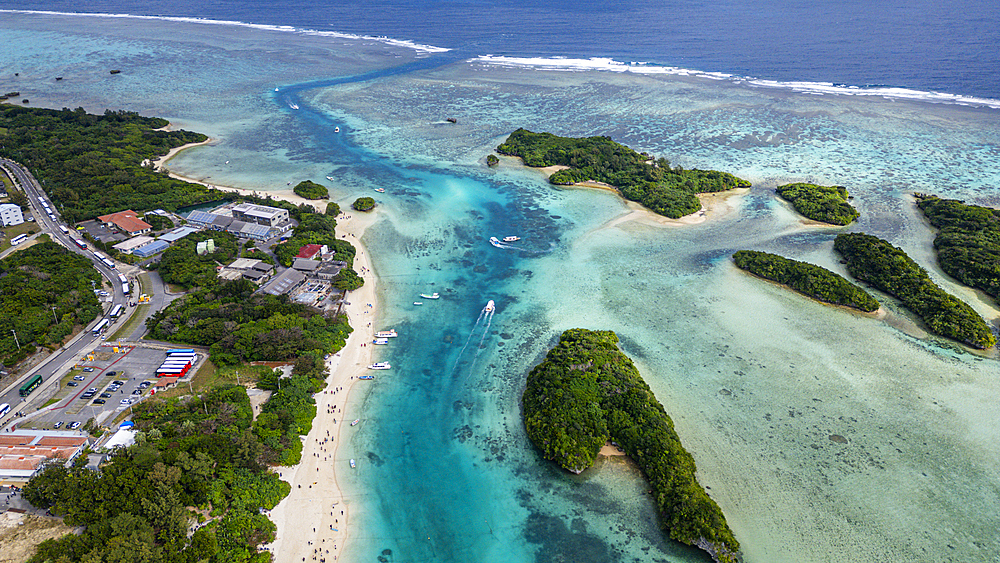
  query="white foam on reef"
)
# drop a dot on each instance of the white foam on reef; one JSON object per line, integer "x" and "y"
{"x": 817, "y": 88}
{"x": 282, "y": 28}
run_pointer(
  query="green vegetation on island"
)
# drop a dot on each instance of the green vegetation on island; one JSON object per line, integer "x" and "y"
{"x": 46, "y": 290}
{"x": 315, "y": 228}
{"x": 311, "y": 190}
{"x": 887, "y": 268}
{"x": 827, "y": 204}
{"x": 967, "y": 243}
{"x": 637, "y": 177}
{"x": 492, "y": 160}
{"x": 182, "y": 265}
{"x": 808, "y": 279}
{"x": 587, "y": 392}
{"x": 92, "y": 165}
{"x": 204, "y": 452}
{"x": 240, "y": 326}
{"x": 363, "y": 204}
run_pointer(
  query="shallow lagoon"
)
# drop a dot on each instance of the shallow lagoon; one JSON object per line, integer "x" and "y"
{"x": 824, "y": 434}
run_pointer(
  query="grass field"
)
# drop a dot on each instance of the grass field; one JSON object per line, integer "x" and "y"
{"x": 11, "y": 232}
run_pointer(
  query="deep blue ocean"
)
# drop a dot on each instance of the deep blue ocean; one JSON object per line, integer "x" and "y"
{"x": 919, "y": 44}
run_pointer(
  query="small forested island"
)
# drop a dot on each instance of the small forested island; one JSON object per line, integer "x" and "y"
{"x": 827, "y": 204}
{"x": 492, "y": 160}
{"x": 587, "y": 392}
{"x": 886, "y": 267}
{"x": 967, "y": 243}
{"x": 809, "y": 279}
{"x": 363, "y": 204}
{"x": 311, "y": 190}
{"x": 637, "y": 177}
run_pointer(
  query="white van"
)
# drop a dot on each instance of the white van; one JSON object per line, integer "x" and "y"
{"x": 4, "y": 409}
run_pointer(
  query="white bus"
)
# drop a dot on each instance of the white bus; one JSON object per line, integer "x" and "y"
{"x": 64, "y": 229}
{"x": 4, "y": 409}
{"x": 101, "y": 326}
{"x": 116, "y": 311}
{"x": 18, "y": 239}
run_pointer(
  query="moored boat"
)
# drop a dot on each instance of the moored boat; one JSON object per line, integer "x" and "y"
{"x": 380, "y": 190}
{"x": 511, "y": 239}
{"x": 391, "y": 333}
{"x": 352, "y": 464}
{"x": 430, "y": 295}
{"x": 366, "y": 377}
{"x": 380, "y": 365}
{"x": 418, "y": 302}
{"x": 380, "y": 341}
{"x": 356, "y": 421}
{"x": 329, "y": 178}
{"x": 336, "y": 129}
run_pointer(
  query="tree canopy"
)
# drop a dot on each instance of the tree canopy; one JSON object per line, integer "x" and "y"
{"x": 311, "y": 190}
{"x": 811, "y": 280}
{"x": 827, "y": 204}
{"x": 886, "y": 267}
{"x": 91, "y": 165}
{"x": 967, "y": 243}
{"x": 363, "y": 204}
{"x": 587, "y": 392}
{"x": 33, "y": 280}
{"x": 653, "y": 183}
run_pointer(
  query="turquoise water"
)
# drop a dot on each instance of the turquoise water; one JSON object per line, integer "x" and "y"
{"x": 756, "y": 378}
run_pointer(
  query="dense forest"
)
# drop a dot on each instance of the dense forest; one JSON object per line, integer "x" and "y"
{"x": 363, "y": 204}
{"x": 203, "y": 452}
{"x": 887, "y": 268}
{"x": 92, "y": 165}
{"x": 311, "y": 190}
{"x": 240, "y": 326}
{"x": 587, "y": 392}
{"x": 44, "y": 291}
{"x": 653, "y": 183}
{"x": 967, "y": 243}
{"x": 811, "y": 280}
{"x": 827, "y": 204}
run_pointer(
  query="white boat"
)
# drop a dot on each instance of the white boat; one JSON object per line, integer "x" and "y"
{"x": 391, "y": 333}
{"x": 380, "y": 341}
{"x": 380, "y": 190}
{"x": 352, "y": 464}
{"x": 430, "y": 295}
{"x": 418, "y": 302}
{"x": 336, "y": 129}
{"x": 293, "y": 106}
{"x": 329, "y": 178}
{"x": 511, "y": 239}
{"x": 356, "y": 421}
{"x": 490, "y": 307}
{"x": 495, "y": 242}
{"x": 380, "y": 365}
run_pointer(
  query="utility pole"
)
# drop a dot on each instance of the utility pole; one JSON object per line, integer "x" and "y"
{"x": 15, "y": 340}
{"x": 54, "y": 314}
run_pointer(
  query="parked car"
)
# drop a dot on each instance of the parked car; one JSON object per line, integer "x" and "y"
{"x": 144, "y": 385}
{"x": 57, "y": 425}
{"x": 74, "y": 425}
{"x": 105, "y": 395}
{"x": 88, "y": 369}
{"x": 99, "y": 401}
{"x": 78, "y": 378}
{"x": 92, "y": 390}
{"x": 125, "y": 402}
{"x": 71, "y": 384}
{"x": 137, "y": 392}
{"x": 118, "y": 382}
{"x": 111, "y": 373}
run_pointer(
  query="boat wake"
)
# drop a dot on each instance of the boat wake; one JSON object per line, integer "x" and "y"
{"x": 482, "y": 326}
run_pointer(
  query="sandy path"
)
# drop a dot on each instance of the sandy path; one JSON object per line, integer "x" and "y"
{"x": 316, "y": 514}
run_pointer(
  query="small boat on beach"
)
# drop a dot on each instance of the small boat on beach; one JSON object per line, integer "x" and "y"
{"x": 379, "y": 365}
{"x": 380, "y": 341}
{"x": 495, "y": 242}
{"x": 430, "y": 295}
{"x": 391, "y": 333}
{"x": 356, "y": 421}
{"x": 490, "y": 307}
{"x": 367, "y": 377}
{"x": 352, "y": 464}
{"x": 511, "y": 239}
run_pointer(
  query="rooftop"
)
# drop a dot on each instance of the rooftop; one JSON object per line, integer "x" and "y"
{"x": 305, "y": 265}
{"x": 151, "y": 249}
{"x": 177, "y": 234}
{"x": 127, "y": 221}
{"x": 284, "y": 282}
{"x": 244, "y": 263}
{"x": 309, "y": 250}
{"x": 133, "y": 243}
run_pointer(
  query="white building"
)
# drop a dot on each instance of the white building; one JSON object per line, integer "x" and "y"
{"x": 10, "y": 214}
{"x": 260, "y": 214}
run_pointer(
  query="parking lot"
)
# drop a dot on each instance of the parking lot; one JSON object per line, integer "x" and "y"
{"x": 102, "y": 385}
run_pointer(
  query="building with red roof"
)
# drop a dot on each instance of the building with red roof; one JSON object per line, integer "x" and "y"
{"x": 127, "y": 221}
{"x": 25, "y": 452}
{"x": 309, "y": 251}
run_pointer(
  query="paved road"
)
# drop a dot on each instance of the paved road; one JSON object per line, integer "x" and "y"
{"x": 59, "y": 362}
